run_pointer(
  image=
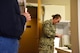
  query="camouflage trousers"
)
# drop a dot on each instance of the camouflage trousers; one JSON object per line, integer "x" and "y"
{"x": 49, "y": 50}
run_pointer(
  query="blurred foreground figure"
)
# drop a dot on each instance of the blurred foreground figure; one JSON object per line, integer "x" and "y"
{"x": 11, "y": 25}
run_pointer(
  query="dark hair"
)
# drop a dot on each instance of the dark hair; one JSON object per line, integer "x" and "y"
{"x": 56, "y": 16}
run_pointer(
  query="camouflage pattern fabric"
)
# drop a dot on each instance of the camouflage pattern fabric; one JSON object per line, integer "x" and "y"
{"x": 46, "y": 44}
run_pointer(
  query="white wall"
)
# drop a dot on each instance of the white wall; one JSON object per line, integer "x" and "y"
{"x": 60, "y": 2}
{"x": 54, "y": 9}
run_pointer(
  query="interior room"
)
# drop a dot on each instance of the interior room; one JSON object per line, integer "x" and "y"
{"x": 63, "y": 8}
{"x": 40, "y": 11}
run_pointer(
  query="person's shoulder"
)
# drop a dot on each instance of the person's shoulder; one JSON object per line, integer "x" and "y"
{"x": 47, "y": 21}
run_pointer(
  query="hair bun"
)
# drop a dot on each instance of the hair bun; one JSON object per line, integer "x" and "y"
{"x": 56, "y": 16}
{"x": 53, "y": 15}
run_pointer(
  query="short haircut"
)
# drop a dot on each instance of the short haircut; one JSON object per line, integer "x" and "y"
{"x": 56, "y": 16}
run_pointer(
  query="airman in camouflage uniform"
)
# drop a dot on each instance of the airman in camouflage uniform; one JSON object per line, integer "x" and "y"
{"x": 46, "y": 44}
{"x": 46, "y": 41}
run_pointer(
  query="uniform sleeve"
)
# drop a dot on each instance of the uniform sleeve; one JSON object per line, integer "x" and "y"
{"x": 48, "y": 30}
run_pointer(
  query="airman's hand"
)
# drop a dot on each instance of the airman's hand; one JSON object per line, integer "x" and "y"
{"x": 59, "y": 35}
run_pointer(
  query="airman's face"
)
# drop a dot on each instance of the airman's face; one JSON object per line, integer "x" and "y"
{"x": 55, "y": 21}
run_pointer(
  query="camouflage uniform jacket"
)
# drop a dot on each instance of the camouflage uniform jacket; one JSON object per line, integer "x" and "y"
{"x": 48, "y": 35}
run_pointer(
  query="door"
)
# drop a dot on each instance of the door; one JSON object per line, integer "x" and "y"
{"x": 29, "y": 40}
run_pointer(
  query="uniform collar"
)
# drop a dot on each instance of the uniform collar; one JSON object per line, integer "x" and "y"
{"x": 52, "y": 22}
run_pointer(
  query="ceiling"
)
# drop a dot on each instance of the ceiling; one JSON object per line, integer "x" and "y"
{"x": 53, "y": 2}
{"x": 56, "y": 2}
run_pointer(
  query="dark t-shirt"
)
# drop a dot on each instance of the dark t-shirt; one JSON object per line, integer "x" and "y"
{"x": 11, "y": 22}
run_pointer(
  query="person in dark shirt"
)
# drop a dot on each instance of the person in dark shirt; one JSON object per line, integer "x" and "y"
{"x": 11, "y": 25}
